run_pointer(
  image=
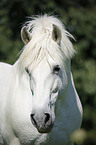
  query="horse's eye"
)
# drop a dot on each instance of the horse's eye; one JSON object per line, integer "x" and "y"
{"x": 56, "y": 69}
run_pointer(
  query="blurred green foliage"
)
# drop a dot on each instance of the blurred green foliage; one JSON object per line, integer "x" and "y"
{"x": 79, "y": 18}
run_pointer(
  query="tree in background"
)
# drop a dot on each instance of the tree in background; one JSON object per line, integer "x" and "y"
{"x": 79, "y": 18}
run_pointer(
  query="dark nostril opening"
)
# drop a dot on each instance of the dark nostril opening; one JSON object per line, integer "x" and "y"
{"x": 33, "y": 120}
{"x": 47, "y": 117}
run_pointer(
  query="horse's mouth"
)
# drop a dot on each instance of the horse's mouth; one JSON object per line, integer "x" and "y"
{"x": 45, "y": 129}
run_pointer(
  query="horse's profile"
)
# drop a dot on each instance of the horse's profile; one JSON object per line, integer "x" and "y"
{"x": 39, "y": 104}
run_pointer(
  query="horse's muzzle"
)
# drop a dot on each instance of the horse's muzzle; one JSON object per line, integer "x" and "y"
{"x": 43, "y": 124}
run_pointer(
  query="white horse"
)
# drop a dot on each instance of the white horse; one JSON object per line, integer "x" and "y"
{"x": 39, "y": 104}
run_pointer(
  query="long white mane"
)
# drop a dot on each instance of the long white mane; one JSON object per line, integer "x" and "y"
{"x": 42, "y": 45}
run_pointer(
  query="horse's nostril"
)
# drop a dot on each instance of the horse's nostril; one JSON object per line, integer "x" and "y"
{"x": 47, "y": 117}
{"x": 33, "y": 119}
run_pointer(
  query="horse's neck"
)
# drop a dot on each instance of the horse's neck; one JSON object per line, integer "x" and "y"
{"x": 70, "y": 95}
{"x": 70, "y": 91}
{"x": 69, "y": 104}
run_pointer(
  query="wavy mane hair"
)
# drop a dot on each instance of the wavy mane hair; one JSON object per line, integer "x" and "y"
{"x": 41, "y": 41}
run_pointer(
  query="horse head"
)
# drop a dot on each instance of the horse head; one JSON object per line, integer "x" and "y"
{"x": 43, "y": 60}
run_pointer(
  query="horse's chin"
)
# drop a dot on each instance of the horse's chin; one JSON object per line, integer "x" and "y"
{"x": 42, "y": 130}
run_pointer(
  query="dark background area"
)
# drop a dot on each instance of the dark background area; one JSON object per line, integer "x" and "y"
{"x": 79, "y": 18}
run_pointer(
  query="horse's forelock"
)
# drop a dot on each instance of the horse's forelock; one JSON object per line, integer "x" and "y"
{"x": 42, "y": 44}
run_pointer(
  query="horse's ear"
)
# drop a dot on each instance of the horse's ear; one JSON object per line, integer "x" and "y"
{"x": 25, "y": 35}
{"x": 56, "y": 34}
